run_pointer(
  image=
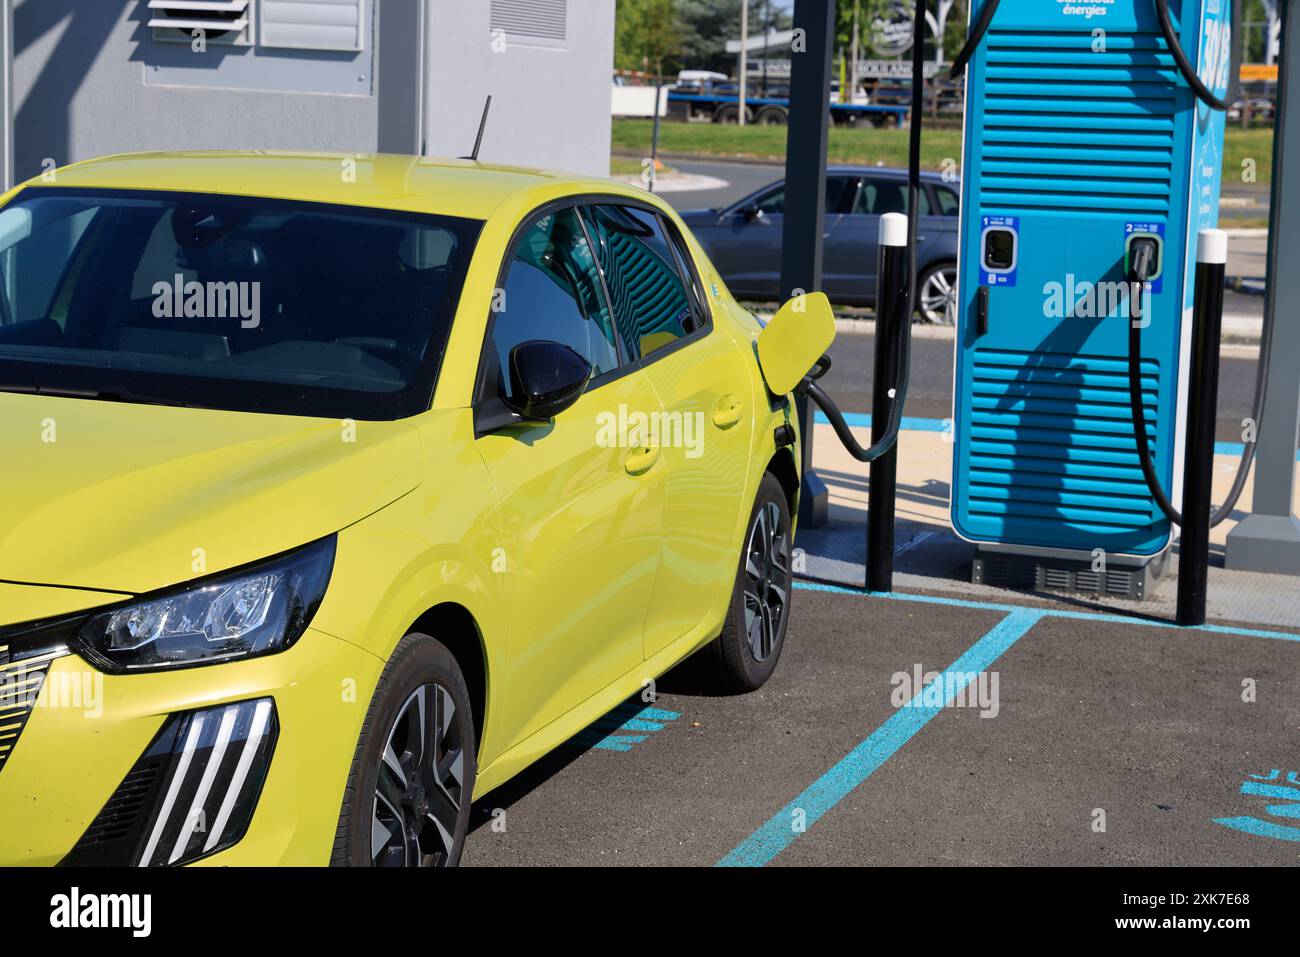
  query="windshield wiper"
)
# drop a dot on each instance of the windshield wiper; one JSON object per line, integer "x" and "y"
{"x": 113, "y": 394}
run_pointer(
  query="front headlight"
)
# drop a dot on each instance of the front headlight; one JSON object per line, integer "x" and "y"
{"x": 257, "y": 610}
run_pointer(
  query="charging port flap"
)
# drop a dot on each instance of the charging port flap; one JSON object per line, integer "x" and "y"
{"x": 798, "y": 335}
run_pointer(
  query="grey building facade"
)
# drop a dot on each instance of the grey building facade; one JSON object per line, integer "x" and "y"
{"x": 92, "y": 77}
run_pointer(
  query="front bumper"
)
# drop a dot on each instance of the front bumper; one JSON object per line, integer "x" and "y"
{"x": 87, "y": 730}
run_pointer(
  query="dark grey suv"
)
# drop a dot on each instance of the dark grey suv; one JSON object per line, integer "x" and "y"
{"x": 744, "y": 239}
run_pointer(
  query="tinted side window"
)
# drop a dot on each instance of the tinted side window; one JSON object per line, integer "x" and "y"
{"x": 839, "y": 196}
{"x": 651, "y": 305}
{"x": 686, "y": 267}
{"x": 879, "y": 196}
{"x": 948, "y": 201}
{"x": 552, "y": 291}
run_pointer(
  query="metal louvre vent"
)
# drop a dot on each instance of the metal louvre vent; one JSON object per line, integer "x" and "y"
{"x": 222, "y": 21}
{"x": 1029, "y": 573}
{"x": 1052, "y": 437}
{"x": 313, "y": 24}
{"x": 538, "y": 19}
{"x": 1067, "y": 128}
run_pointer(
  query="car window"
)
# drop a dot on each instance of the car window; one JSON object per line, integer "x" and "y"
{"x": 30, "y": 270}
{"x": 685, "y": 266}
{"x": 228, "y": 302}
{"x": 552, "y": 291}
{"x": 879, "y": 196}
{"x": 651, "y": 304}
{"x": 948, "y": 201}
{"x": 839, "y": 196}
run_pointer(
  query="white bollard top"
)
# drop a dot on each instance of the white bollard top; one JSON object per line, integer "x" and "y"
{"x": 893, "y": 229}
{"x": 1212, "y": 246}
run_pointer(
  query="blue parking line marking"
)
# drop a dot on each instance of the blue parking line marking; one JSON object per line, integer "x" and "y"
{"x": 862, "y": 420}
{"x": 1251, "y": 825}
{"x": 883, "y": 743}
{"x": 632, "y": 724}
{"x": 603, "y": 733}
{"x": 659, "y": 714}
{"x": 1047, "y": 612}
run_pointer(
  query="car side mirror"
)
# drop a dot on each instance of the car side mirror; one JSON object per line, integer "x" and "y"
{"x": 792, "y": 342}
{"x": 752, "y": 213}
{"x": 545, "y": 379}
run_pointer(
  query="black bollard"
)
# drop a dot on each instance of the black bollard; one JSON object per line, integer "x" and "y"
{"x": 1202, "y": 408}
{"x": 891, "y": 303}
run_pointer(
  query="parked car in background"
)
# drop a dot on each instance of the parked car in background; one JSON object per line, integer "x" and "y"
{"x": 744, "y": 239}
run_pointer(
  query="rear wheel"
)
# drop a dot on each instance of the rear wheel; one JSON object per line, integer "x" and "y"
{"x": 772, "y": 116}
{"x": 408, "y": 795}
{"x": 730, "y": 114}
{"x": 744, "y": 656}
{"x": 936, "y": 294}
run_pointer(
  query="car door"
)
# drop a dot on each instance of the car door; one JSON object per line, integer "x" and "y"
{"x": 746, "y": 247}
{"x": 851, "y": 252}
{"x": 749, "y": 238}
{"x": 581, "y": 500}
{"x": 705, "y": 382}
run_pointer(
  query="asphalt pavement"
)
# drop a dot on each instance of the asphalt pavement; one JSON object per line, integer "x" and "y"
{"x": 1100, "y": 741}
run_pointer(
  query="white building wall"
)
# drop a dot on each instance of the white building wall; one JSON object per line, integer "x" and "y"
{"x": 89, "y": 80}
{"x": 550, "y": 99}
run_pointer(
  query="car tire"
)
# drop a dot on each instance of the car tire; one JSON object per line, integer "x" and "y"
{"x": 746, "y": 653}
{"x": 935, "y": 281}
{"x": 423, "y": 821}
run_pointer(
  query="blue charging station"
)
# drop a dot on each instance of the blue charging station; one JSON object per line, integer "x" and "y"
{"x": 1080, "y": 139}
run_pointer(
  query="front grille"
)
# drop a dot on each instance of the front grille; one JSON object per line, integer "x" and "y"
{"x": 1051, "y": 436}
{"x": 20, "y": 683}
{"x": 1068, "y": 128}
{"x": 26, "y": 652}
{"x": 190, "y": 794}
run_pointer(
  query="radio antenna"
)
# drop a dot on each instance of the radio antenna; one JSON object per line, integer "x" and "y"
{"x": 482, "y": 125}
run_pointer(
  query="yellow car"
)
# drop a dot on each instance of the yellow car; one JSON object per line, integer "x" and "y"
{"x": 338, "y": 489}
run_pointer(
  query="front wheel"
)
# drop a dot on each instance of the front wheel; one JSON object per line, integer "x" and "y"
{"x": 408, "y": 795}
{"x": 744, "y": 656}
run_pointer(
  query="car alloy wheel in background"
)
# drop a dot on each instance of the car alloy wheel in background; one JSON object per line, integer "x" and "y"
{"x": 936, "y": 294}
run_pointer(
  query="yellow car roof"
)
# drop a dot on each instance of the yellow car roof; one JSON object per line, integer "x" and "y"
{"x": 387, "y": 181}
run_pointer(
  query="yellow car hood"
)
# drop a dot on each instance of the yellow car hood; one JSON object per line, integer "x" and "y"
{"x": 130, "y": 498}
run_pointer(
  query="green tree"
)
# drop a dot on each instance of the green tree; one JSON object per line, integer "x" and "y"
{"x": 707, "y": 25}
{"x": 647, "y": 35}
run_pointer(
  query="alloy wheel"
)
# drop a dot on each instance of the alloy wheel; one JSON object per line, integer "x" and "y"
{"x": 937, "y": 296}
{"x": 420, "y": 785}
{"x": 767, "y": 580}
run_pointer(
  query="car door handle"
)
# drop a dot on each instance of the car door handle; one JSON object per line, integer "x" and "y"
{"x": 639, "y": 460}
{"x": 727, "y": 412}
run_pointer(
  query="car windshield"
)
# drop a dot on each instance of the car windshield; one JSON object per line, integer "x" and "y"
{"x": 227, "y": 302}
